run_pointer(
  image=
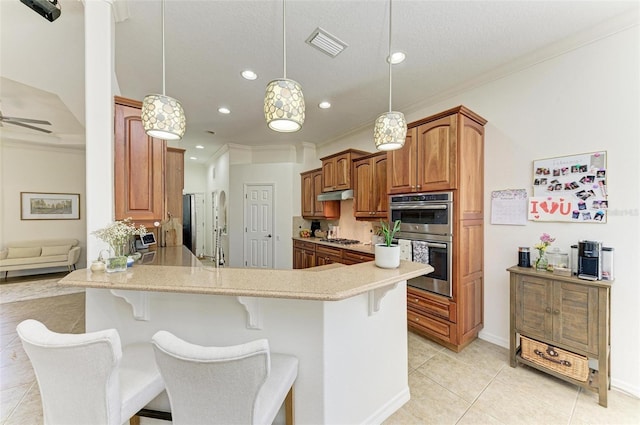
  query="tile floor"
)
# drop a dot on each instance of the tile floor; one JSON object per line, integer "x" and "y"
{"x": 476, "y": 386}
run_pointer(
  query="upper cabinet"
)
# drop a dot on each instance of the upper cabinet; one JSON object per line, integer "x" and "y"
{"x": 435, "y": 151}
{"x": 138, "y": 166}
{"x": 370, "y": 186}
{"x": 311, "y": 208}
{"x": 336, "y": 170}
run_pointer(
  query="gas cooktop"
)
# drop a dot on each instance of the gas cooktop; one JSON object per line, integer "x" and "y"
{"x": 341, "y": 241}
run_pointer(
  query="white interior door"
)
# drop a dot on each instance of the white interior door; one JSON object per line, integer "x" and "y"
{"x": 258, "y": 219}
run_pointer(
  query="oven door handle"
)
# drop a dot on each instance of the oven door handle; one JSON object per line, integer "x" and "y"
{"x": 419, "y": 207}
{"x": 436, "y": 245}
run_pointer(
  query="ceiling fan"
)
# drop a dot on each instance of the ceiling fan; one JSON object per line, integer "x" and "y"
{"x": 25, "y": 122}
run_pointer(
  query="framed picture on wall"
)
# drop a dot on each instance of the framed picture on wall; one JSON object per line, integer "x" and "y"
{"x": 49, "y": 206}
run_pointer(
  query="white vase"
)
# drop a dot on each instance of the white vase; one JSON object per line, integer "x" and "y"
{"x": 387, "y": 257}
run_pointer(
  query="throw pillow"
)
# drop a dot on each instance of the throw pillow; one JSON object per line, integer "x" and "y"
{"x": 55, "y": 250}
{"x": 24, "y": 252}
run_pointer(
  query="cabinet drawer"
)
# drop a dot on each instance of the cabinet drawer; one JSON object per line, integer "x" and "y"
{"x": 329, "y": 251}
{"x": 310, "y": 246}
{"x": 438, "y": 307}
{"x": 439, "y": 328}
{"x": 354, "y": 257}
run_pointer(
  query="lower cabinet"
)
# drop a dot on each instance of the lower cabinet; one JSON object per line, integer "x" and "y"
{"x": 434, "y": 316}
{"x": 563, "y": 312}
{"x": 310, "y": 254}
{"x": 304, "y": 254}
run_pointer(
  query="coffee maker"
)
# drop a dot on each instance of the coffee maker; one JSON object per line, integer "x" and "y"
{"x": 590, "y": 260}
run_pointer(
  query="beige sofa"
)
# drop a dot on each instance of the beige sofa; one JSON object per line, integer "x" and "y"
{"x": 39, "y": 254}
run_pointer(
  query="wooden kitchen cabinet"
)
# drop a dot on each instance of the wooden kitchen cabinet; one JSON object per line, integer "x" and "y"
{"x": 435, "y": 151}
{"x": 336, "y": 170}
{"x": 446, "y": 152}
{"x": 304, "y": 254}
{"x": 327, "y": 255}
{"x": 311, "y": 208}
{"x": 310, "y": 254}
{"x": 564, "y": 312}
{"x": 355, "y": 257}
{"x": 174, "y": 182}
{"x": 139, "y": 185}
{"x": 370, "y": 187}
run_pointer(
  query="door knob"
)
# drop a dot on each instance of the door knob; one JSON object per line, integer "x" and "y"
{"x": 268, "y": 236}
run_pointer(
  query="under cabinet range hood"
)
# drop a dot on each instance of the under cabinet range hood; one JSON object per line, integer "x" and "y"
{"x": 339, "y": 195}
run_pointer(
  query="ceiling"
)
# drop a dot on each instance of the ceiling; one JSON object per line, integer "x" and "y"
{"x": 450, "y": 46}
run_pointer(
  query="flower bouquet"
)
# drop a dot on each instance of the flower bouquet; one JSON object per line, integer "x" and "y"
{"x": 118, "y": 235}
{"x": 545, "y": 242}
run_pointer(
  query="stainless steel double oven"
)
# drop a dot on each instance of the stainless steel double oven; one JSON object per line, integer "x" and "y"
{"x": 428, "y": 218}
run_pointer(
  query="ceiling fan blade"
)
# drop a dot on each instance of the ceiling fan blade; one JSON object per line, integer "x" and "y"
{"x": 28, "y": 126}
{"x": 29, "y": 120}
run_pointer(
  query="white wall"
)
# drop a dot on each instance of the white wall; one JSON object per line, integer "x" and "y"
{"x": 38, "y": 168}
{"x": 280, "y": 176}
{"x": 583, "y": 101}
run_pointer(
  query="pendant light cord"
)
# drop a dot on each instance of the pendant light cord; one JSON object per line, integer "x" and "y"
{"x": 163, "y": 70}
{"x": 389, "y": 57}
{"x": 284, "y": 37}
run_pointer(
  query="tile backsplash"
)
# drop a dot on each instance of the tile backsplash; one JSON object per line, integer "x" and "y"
{"x": 350, "y": 228}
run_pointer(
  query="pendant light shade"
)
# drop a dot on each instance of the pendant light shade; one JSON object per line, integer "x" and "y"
{"x": 163, "y": 116}
{"x": 284, "y": 105}
{"x": 390, "y": 131}
{"x": 283, "y": 100}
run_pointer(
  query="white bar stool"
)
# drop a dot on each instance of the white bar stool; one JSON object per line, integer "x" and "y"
{"x": 225, "y": 385}
{"x": 89, "y": 378}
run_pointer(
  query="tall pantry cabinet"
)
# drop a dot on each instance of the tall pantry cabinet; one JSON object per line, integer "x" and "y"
{"x": 445, "y": 152}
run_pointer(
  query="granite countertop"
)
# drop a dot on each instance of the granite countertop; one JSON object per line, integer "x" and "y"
{"x": 327, "y": 284}
{"x": 364, "y": 248}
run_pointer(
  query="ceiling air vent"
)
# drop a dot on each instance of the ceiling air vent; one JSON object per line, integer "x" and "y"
{"x": 326, "y": 43}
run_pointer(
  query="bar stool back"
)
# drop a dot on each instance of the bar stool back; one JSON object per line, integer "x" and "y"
{"x": 89, "y": 378}
{"x": 225, "y": 385}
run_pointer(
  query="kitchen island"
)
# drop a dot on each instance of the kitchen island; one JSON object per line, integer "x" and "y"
{"x": 346, "y": 324}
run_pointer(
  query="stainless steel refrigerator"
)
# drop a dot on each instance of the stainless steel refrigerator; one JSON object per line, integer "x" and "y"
{"x": 189, "y": 223}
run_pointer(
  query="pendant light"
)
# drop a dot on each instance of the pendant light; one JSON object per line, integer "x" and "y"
{"x": 163, "y": 116}
{"x": 283, "y": 100}
{"x": 390, "y": 130}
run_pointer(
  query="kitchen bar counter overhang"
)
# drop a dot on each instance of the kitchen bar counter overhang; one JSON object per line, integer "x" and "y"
{"x": 332, "y": 284}
{"x": 346, "y": 324}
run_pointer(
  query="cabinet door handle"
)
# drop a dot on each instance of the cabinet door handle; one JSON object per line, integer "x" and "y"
{"x": 417, "y": 319}
{"x": 548, "y": 309}
{"x": 419, "y": 186}
{"x": 417, "y": 300}
{"x": 556, "y": 311}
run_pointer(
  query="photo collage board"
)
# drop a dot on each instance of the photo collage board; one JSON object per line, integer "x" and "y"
{"x": 570, "y": 188}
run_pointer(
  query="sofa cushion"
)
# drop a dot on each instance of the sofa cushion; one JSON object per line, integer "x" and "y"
{"x": 55, "y": 250}
{"x": 34, "y": 260}
{"x": 3, "y": 254}
{"x": 24, "y": 252}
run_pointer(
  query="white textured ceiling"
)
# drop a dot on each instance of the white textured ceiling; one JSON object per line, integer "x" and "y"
{"x": 449, "y": 45}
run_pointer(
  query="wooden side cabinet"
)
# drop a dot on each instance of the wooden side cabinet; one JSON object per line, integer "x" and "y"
{"x": 370, "y": 186}
{"x": 564, "y": 312}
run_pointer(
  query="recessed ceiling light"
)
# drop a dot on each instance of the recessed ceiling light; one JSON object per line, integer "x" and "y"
{"x": 193, "y": 158}
{"x": 324, "y": 105}
{"x": 248, "y": 74}
{"x": 199, "y": 147}
{"x": 224, "y": 110}
{"x": 397, "y": 57}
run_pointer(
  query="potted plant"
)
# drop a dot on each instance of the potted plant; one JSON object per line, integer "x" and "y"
{"x": 387, "y": 254}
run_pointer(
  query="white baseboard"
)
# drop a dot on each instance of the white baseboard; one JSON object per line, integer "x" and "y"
{"x": 494, "y": 339}
{"x": 389, "y": 408}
